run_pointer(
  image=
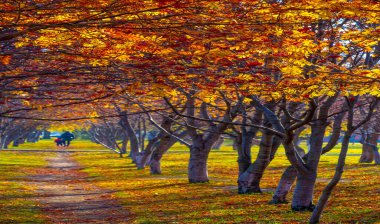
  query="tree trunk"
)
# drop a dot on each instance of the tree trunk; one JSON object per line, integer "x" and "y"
{"x": 334, "y": 181}
{"x": 218, "y": 143}
{"x": 367, "y": 155}
{"x": 276, "y": 142}
{"x": 134, "y": 151}
{"x": 198, "y": 165}
{"x": 255, "y": 171}
{"x": 16, "y": 142}
{"x": 303, "y": 192}
{"x": 7, "y": 141}
{"x": 304, "y": 189}
{"x": 197, "y": 169}
{"x": 124, "y": 144}
{"x": 377, "y": 156}
{"x": 144, "y": 157}
{"x": 284, "y": 186}
{"x": 134, "y": 142}
{"x": 166, "y": 143}
{"x": 243, "y": 145}
{"x": 341, "y": 160}
{"x": 367, "y": 151}
{"x": 155, "y": 163}
{"x": 34, "y": 136}
{"x": 289, "y": 175}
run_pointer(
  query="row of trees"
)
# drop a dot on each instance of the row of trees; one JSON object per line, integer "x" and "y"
{"x": 197, "y": 70}
{"x": 19, "y": 131}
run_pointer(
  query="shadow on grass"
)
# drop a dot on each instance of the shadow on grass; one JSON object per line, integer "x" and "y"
{"x": 29, "y": 196}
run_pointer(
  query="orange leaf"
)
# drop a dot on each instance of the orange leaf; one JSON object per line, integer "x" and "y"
{"x": 5, "y": 59}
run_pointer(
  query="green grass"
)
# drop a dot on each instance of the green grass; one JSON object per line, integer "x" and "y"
{"x": 169, "y": 198}
{"x": 16, "y": 197}
{"x": 49, "y": 144}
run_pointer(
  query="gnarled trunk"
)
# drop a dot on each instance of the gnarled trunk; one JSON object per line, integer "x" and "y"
{"x": 377, "y": 156}
{"x": 144, "y": 156}
{"x": 303, "y": 192}
{"x": 338, "y": 174}
{"x": 249, "y": 180}
{"x": 34, "y": 136}
{"x": 243, "y": 143}
{"x": 289, "y": 175}
{"x": 134, "y": 151}
{"x": 304, "y": 189}
{"x": 284, "y": 186}
{"x": 276, "y": 142}
{"x": 218, "y": 143}
{"x": 124, "y": 144}
{"x": 197, "y": 169}
{"x": 134, "y": 141}
{"x": 368, "y": 154}
{"x": 165, "y": 144}
{"x": 16, "y": 142}
{"x": 198, "y": 166}
{"x": 155, "y": 163}
{"x": 342, "y": 157}
{"x": 286, "y": 182}
{"x": 244, "y": 154}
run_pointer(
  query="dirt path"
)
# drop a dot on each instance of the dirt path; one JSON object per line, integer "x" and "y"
{"x": 66, "y": 196}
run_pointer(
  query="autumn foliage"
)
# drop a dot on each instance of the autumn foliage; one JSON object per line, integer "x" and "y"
{"x": 270, "y": 69}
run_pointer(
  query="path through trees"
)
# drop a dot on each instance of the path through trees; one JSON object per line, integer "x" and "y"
{"x": 66, "y": 195}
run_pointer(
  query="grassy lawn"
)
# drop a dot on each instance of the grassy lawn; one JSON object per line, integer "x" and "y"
{"x": 16, "y": 204}
{"x": 49, "y": 144}
{"x": 16, "y": 197}
{"x": 168, "y": 198}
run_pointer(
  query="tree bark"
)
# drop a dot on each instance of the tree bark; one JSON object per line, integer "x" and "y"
{"x": 144, "y": 156}
{"x": 33, "y": 137}
{"x": 338, "y": 174}
{"x": 218, "y": 143}
{"x": 249, "y": 181}
{"x": 289, "y": 175}
{"x": 165, "y": 144}
{"x": 155, "y": 161}
{"x": 134, "y": 142}
{"x": 342, "y": 156}
{"x": 368, "y": 154}
{"x": 377, "y": 156}
{"x": 276, "y": 142}
{"x": 303, "y": 191}
{"x": 197, "y": 169}
{"x": 124, "y": 144}
{"x": 284, "y": 186}
{"x": 202, "y": 143}
{"x": 307, "y": 172}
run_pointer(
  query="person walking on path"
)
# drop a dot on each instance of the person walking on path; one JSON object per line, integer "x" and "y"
{"x": 66, "y": 138}
{"x": 59, "y": 142}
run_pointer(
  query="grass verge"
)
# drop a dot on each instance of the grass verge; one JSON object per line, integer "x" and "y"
{"x": 16, "y": 197}
{"x": 168, "y": 198}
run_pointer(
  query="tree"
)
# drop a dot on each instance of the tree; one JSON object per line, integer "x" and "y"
{"x": 223, "y": 59}
{"x": 351, "y": 127}
{"x": 369, "y": 138}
